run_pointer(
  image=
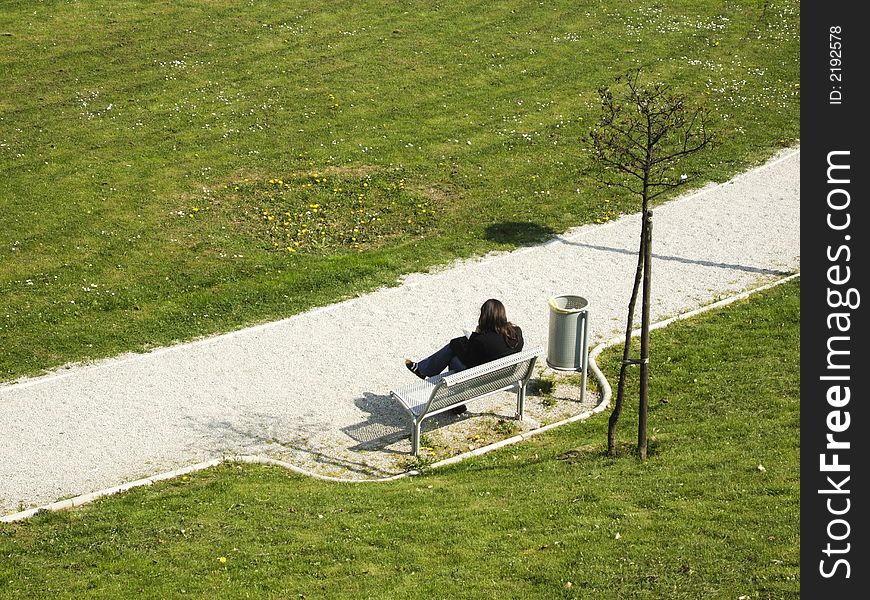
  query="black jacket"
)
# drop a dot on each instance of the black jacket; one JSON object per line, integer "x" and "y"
{"x": 481, "y": 348}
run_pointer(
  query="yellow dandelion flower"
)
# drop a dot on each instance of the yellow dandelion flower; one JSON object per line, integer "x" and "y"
{"x": 222, "y": 559}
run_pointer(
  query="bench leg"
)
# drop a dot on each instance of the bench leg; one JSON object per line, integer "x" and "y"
{"x": 415, "y": 438}
{"x": 521, "y": 401}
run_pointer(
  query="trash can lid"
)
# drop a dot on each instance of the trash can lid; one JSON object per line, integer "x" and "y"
{"x": 566, "y": 303}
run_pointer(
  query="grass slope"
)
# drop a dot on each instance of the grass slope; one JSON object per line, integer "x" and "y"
{"x": 141, "y": 143}
{"x": 713, "y": 513}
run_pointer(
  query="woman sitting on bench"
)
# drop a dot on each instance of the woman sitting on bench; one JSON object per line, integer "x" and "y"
{"x": 494, "y": 338}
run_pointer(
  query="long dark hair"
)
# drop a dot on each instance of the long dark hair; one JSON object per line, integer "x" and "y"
{"x": 493, "y": 317}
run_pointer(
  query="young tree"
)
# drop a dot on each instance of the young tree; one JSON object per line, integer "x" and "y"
{"x": 644, "y": 134}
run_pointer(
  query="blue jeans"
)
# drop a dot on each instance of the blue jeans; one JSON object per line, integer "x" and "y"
{"x": 432, "y": 365}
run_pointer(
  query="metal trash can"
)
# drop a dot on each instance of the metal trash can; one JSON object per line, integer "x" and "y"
{"x": 568, "y": 339}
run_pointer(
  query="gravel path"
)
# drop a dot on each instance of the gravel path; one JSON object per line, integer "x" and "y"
{"x": 314, "y": 389}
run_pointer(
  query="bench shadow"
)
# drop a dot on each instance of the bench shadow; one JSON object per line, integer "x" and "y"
{"x": 385, "y": 429}
{"x": 387, "y": 424}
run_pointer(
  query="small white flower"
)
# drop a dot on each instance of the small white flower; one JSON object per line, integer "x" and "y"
{"x": 683, "y": 177}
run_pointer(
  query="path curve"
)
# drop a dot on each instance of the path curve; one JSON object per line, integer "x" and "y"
{"x": 279, "y": 390}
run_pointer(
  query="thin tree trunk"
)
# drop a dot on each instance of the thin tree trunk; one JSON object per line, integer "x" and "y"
{"x": 620, "y": 388}
{"x": 643, "y": 407}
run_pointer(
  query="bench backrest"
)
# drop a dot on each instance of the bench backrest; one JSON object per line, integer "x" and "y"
{"x": 484, "y": 379}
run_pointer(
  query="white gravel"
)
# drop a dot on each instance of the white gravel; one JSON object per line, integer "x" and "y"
{"x": 314, "y": 389}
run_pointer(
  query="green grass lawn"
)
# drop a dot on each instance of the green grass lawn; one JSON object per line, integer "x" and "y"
{"x": 713, "y": 512}
{"x": 174, "y": 169}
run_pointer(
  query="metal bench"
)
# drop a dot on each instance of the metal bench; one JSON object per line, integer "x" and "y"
{"x": 440, "y": 393}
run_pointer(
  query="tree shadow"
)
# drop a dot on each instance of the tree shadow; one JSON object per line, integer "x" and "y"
{"x": 516, "y": 233}
{"x": 679, "y": 259}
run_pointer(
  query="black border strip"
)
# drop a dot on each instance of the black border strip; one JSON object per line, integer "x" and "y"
{"x": 834, "y": 229}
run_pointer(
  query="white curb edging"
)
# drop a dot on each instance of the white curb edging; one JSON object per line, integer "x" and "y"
{"x": 606, "y": 393}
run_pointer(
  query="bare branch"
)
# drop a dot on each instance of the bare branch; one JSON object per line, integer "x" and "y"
{"x": 645, "y": 131}
{"x": 621, "y": 166}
